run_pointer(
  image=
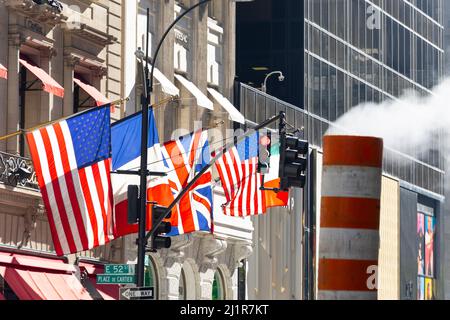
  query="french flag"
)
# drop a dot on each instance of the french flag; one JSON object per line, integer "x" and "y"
{"x": 126, "y": 155}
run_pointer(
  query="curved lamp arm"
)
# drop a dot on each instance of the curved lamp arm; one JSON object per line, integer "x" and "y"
{"x": 264, "y": 86}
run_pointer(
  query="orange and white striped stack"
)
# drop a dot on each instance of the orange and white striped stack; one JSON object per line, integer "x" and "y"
{"x": 350, "y": 218}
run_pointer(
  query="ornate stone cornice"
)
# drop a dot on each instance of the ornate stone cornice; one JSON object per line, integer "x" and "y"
{"x": 39, "y": 12}
{"x": 90, "y": 34}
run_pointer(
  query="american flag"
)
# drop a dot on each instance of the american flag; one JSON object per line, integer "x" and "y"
{"x": 183, "y": 159}
{"x": 238, "y": 171}
{"x": 72, "y": 159}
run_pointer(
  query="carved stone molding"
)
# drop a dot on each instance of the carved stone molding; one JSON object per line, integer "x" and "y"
{"x": 99, "y": 72}
{"x": 239, "y": 252}
{"x": 85, "y": 31}
{"x": 210, "y": 249}
{"x": 40, "y": 12}
{"x": 176, "y": 253}
{"x": 71, "y": 61}
{"x": 30, "y": 222}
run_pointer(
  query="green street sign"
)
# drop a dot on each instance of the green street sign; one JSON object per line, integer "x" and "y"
{"x": 120, "y": 269}
{"x": 115, "y": 279}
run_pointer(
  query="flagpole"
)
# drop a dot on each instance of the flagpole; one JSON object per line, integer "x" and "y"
{"x": 21, "y": 131}
{"x": 148, "y": 87}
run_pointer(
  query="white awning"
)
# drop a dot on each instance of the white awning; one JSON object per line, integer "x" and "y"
{"x": 202, "y": 100}
{"x": 234, "y": 113}
{"x": 166, "y": 85}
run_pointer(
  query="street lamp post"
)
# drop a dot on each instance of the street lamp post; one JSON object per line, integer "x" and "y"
{"x": 280, "y": 78}
{"x": 145, "y": 100}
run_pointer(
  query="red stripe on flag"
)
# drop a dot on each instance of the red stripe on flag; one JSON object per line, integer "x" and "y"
{"x": 108, "y": 165}
{"x": 57, "y": 191}
{"x": 70, "y": 187}
{"x": 101, "y": 197}
{"x": 89, "y": 205}
{"x": 37, "y": 168}
{"x": 243, "y": 184}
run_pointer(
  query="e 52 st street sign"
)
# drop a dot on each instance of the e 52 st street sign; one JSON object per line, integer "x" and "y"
{"x": 137, "y": 293}
{"x": 116, "y": 269}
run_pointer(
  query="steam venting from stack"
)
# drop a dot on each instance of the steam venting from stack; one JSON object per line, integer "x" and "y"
{"x": 409, "y": 124}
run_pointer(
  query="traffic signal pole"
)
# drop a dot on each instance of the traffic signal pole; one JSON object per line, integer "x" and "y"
{"x": 145, "y": 101}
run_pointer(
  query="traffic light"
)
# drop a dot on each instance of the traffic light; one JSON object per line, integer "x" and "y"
{"x": 159, "y": 241}
{"x": 133, "y": 204}
{"x": 293, "y": 162}
{"x": 265, "y": 145}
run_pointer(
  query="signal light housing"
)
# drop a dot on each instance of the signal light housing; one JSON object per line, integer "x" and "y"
{"x": 158, "y": 240}
{"x": 293, "y": 162}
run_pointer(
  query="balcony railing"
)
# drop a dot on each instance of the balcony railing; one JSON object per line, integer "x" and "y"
{"x": 17, "y": 171}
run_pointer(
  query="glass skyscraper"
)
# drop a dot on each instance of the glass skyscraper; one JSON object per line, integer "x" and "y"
{"x": 336, "y": 54}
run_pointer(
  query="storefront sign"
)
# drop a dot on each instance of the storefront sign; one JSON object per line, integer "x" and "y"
{"x": 180, "y": 36}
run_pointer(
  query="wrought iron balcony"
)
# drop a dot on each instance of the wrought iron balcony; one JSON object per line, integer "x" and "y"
{"x": 17, "y": 171}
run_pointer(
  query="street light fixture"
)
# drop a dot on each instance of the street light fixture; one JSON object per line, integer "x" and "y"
{"x": 145, "y": 100}
{"x": 280, "y": 78}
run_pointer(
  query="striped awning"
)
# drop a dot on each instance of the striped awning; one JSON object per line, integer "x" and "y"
{"x": 48, "y": 83}
{"x": 38, "y": 278}
{"x": 202, "y": 99}
{"x": 100, "y": 99}
{"x": 3, "y": 72}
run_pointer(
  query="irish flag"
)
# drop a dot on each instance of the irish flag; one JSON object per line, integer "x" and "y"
{"x": 272, "y": 180}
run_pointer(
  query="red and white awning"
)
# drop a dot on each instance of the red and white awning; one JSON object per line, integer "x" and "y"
{"x": 3, "y": 72}
{"x": 100, "y": 99}
{"x": 36, "y": 278}
{"x": 48, "y": 83}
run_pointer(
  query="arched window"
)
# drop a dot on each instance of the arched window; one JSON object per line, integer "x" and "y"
{"x": 182, "y": 286}
{"x": 151, "y": 276}
{"x": 218, "y": 286}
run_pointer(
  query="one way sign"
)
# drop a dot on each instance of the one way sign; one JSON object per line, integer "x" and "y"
{"x": 137, "y": 293}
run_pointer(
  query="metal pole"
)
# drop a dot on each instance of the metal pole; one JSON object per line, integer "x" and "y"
{"x": 145, "y": 100}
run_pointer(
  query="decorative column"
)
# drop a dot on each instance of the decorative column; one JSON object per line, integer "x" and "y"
{"x": 69, "y": 66}
{"x": 210, "y": 249}
{"x": 166, "y": 116}
{"x": 238, "y": 252}
{"x": 47, "y": 99}
{"x": 173, "y": 263}
{"x": 13, "y": 114}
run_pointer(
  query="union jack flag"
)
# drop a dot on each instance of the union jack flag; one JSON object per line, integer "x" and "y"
{"x": 183, "y": 159}
{"x": 241, "y": 181}
{"x": 72, "y": 159}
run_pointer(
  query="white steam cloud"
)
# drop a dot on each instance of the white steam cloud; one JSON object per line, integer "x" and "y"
{"x": 409, "y": 124}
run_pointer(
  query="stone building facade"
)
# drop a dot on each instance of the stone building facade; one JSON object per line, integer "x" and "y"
{"x": 93, "y": 43}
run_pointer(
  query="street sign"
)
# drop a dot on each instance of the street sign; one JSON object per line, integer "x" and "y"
{"x": 137, "y": 293}
{"x": 119, "y": 269}
{"x": 116, "y": 279}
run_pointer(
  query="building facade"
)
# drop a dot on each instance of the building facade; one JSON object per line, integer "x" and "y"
{"x": 336, "y": 55}
{"x": 65, "y": 57}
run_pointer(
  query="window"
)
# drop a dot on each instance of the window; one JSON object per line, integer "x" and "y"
{"x": 151, "y": 277}
{"x": 182, "y": 286}
{"x": 6, "y": 291}
{"x": 218, "y": 292}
